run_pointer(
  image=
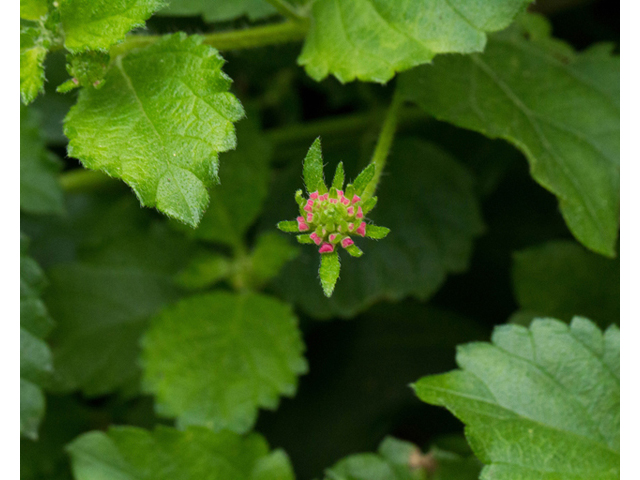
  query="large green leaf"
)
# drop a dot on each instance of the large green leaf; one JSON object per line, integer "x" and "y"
{"x": 542, "y": 402}
{"x": 570, "y": 133}
{"x": 430, "y": 207}
{"x": 158, "y": 123}
{"x": 35, "y": 357}
{"x": 371, "y": 40}
{"x": 39, "y": 188}
{"x": 33, "y": 9}
{"x": 214, "y": 359}
{"x": 237, "y": 201}
{"x": 130, "y": 453}
{"x": 561, "y": 279}
{"x": 220, "y": 10}
{"x": 98, "y": 24}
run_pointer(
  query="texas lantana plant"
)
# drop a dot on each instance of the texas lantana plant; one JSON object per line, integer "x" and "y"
{"x": 331, "y": 217}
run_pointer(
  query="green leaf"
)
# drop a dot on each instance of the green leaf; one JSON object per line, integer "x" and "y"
{"x": 34, "y": 45}
{"x": 305, "y": 239}
{"x": 87, "y": 69}
{"x": 354, "y": 251}
{"x": 158, "y": 123}
{"x": 33, "y": 9}
{"x": 215, "y": 359}
{"x": 39, "y": 188}
{"x": 370, "y": 40}
{"x": 329, "y": 272}
{"x": 376, "y": 232}
{"x": 165, "y": 453}
{"x": 36, "y": 365}
{"x": 99, "y": 24}
{"x": 570, "y": 133}
{"x": 237, "y": 201}
{"x": 271, "y": 252}
{"x": 434, "y": 215}
{"x": 338, "y": 177}
{"x": 542, "y": 402}
{"x": 220, "y": 10}
{"x": 289, "y": 226}
{"x": 363, "y": 179}
{"x": 561, "y": 279}
{"x": 313, "y": 169}
{"x": 204, "y": 271}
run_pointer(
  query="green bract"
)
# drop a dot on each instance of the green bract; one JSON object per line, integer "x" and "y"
{"x": 332, "y": 215}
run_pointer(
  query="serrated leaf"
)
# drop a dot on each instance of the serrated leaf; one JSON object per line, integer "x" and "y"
{"x": 99, "y": 24}
{"x": 39, "y": 188}
{"x": 538, "y": 402}
{"x": 363, "y": 179}
{"x": 313, "y": 169}
{"x": 33, "y": 9}
{"x": 561, "y": 279}
{"x": 220, "y": 10}
{"x": 570, "y": 133}
{"x": 35, "y": 356}
{"x": 370, "y": 40}
{"x": 165, "y": 453}
{"x": 329, "y": 272}
{"x": 271, "y": 252}
{"x": 338, "y": 177}
{"x": 433, "y": 215}
{"x": 158, "y": 123}
{"x": 33, "y": 51}
{"x": 215, "y": 359}
{"x": 237, "y": 201}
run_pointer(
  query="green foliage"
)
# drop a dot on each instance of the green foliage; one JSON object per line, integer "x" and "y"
{"x": 220, "y": 10}
{"x": 433, "y": 215}
{"x": 252, "y": 343}
{"x": 372, "y": 40}
{"x": 166, "y": 454}
{"x": 132, "y": 128}
{"x": 99, "y": 24}
{"x": 34, "y": 44}
{"x": 87, "y": 69}
{"x": 33, "y": 9}
{"x": 329, "y": 272}
{"x": 35, "y": 357}
{"x": 569, "y": 133}
{"x": 561, "y": 279}
{"x": 313, "y": 169}
{"x": 270, "y": 253}
{"x": 39, "y": 189}
{"x": 543, "y": 401}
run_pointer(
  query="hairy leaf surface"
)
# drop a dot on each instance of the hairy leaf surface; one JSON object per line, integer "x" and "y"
{"x": 158, "y": 123}
{"x": 214, "y": 359}
{"x": 561, "y": 279}
{"x": 98, "y": 24}
{"x": 130, "y": 453}
{"x": 426, "y": 198}
{"x": 33, "y": 50}
{"x": 371, "y": 40}
{"x": 220, "y": 10}
{"x": 560, "y": 108}
{"x": 542, "y": 402}
{"x": 39, "y": 188}
{"x": 35, "y": 357}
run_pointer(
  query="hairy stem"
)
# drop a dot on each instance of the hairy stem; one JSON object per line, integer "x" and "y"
{"x": 383, "y": 146}
{"x": 287, "y": 10}
{"x": 231, "y": 40}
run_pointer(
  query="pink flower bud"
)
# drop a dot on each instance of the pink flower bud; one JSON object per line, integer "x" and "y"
{"x": 324, "y": 197}
{"x": 351, "y": 226}
{"x": 355, "y": 199}
{"x": 346, "y": 242}
{"x": 316, "y": 239}
{"x": 333, "y": 200}
{"x": 359, "y": 214}
{"x": 362, "y": 229}
{"x": 313, "y": 196}
{"x": 326, "y": 248}
{"x": 310, "y": 202}
{"x": 300, "y": 219}
{"x": 332, "y": 237}
{"x": 308, "y": 208}
{"x": 309, "y": 217}
{"x": 303, "y": 227}
{"x": 340, "y": 193}
{"x": 344, "y": 200}
{"x": 350, "y": 211}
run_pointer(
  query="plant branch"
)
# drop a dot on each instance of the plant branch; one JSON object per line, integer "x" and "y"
{"x": 287, "y": 10}
{"x": 383, "y": 146}
{"x": 230, "y": 40}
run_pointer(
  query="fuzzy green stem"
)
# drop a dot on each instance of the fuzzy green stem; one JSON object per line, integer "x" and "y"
{"x": 231, "y": 40}
{"x": 383, "y": 146}
{"x": 287, "y": 10}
